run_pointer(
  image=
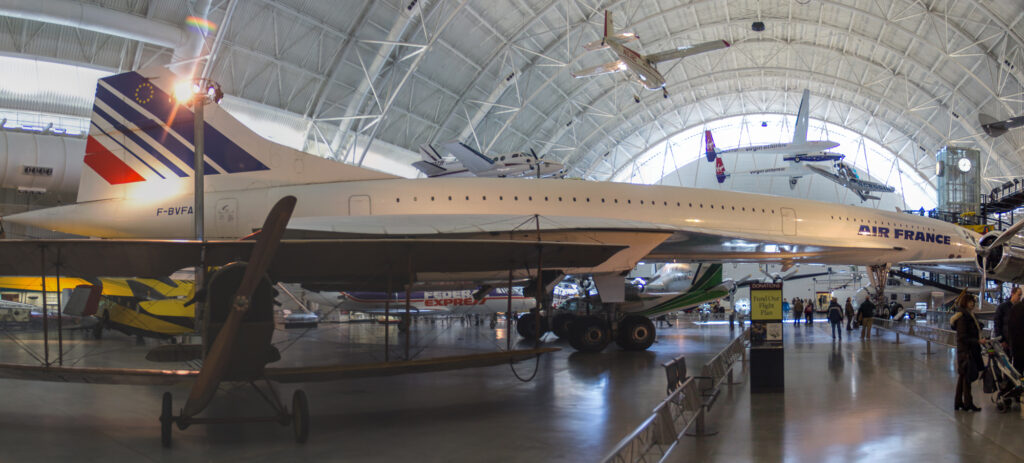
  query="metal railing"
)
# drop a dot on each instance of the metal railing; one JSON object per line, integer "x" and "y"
{"x": 719, "y": 368}
{"x": 708, "y": 317}
{"x": 686, "y": 407}
{"x": 929, "y": 333}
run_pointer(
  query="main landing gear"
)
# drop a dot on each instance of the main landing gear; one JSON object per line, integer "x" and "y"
{"x": 298, "y": 418}
{"x": 592, "y": 333}
{"x": 527, "y": 325}
{"x": 664, "y": 92}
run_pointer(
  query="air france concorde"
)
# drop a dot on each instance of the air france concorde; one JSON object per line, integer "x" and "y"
{"x": 138, "y": 184}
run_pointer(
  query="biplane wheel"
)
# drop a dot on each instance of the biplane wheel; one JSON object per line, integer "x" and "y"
{"x": 166, "y": 419}
{"x": 300, "y": 416}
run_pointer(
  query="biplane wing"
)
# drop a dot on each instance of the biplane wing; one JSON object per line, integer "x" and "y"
{"x": 159, "y": 377}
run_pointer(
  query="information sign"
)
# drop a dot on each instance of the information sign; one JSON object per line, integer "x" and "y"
{"x": 766, "y": 301}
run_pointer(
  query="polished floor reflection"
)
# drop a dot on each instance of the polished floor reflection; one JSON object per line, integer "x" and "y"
{"x": 575, "y": 409}
{"x": 858, "y": 401}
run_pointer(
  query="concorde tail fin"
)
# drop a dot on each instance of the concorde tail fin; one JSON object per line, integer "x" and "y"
{"x": 141, "y": 140}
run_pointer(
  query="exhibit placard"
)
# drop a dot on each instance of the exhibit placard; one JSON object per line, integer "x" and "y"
{"x": 766, "y": 302}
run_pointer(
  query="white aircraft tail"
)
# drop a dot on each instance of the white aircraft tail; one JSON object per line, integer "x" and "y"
{"x": 800, "y": 134}
{"x": 430, "y": 154}
{"x": 470, "y": 158}
{"x": 609, "y": 33}
{"x": 141, "y": 142}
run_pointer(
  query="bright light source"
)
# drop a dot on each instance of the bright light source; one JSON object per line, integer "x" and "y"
{"x": 622, "y": 65}
{"x": 183, "y": 91}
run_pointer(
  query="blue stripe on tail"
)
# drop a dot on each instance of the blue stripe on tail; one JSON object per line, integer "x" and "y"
{"x": 172, "y": 116}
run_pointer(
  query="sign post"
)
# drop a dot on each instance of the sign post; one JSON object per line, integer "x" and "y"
{"x": 767, "y": 373}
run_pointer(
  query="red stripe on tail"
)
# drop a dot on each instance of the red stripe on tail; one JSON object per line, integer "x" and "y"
{"x": 109, "y": 166}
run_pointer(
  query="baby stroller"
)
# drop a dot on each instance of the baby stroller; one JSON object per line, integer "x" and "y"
{"x": 1002, "y": 378}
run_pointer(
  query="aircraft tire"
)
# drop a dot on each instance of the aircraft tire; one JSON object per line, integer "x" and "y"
{"x": 635, "y": 333}
{"x": 166, "y": 421}
{"x": 300, "y": 416}
{"x": 526, "y": 325}
{"x": 589, "y": 334}
{"x": 560, "y": 324}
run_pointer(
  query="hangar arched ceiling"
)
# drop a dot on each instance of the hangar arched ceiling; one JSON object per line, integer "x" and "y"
{"x": 911, "y": 75}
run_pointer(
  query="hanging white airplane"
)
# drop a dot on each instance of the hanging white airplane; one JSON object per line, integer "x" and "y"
{"x": 845, "y": 175}
{"x": 469, "y": 162}
{"x": 796, "y": 151}
{"x": 842, "y": 174}
{"x": 138, "y": 184}
{"x": 643, "y": 66}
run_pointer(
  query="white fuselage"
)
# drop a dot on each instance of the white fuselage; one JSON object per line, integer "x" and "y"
{"x": 648, "y": 76}
{"x": 784, "y": 148}
{"x": 520, "y": 169}
{"x": 455, "y": 302}
{"x": 435, "y": 207}
{"x": 447, "y": 301}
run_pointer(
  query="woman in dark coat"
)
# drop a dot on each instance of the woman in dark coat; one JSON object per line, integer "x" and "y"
{"x": 968, "y": 351}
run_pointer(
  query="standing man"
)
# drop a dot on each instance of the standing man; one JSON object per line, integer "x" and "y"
{"x": 1002, "y": 313}
{"x": 867, "y": 316}
{"x": 798, "y": 310}
{"x": 835, "y": 318}
{"x": 1013, "y": 331}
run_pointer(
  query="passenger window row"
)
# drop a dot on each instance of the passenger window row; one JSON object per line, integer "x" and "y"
{"x": 614, "y": 201}
{"x": 888, "y": 224}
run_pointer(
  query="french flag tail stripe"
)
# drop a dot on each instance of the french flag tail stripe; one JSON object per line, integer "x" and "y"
{"x": 107, "y": 165}
{"x": 179, "y": 119}
{"x": 151, "y": 128}
{"x": 96, "y": 126}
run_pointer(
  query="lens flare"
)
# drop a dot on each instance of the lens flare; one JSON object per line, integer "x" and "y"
{"x": 200, "y": 25}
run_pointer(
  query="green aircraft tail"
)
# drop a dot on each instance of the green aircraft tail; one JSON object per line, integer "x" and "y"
{"x": 706, "y": 287}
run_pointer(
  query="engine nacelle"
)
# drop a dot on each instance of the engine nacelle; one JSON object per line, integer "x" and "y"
{"x": 1005, "y": 263}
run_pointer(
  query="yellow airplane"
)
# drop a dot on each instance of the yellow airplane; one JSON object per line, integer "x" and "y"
{"x": 146, "y": 307}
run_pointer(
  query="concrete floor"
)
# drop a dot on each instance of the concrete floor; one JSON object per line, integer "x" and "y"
{"x": 575, "y": 409}
{"x": 852, "y": 401}
{"x": 858, "y": 401}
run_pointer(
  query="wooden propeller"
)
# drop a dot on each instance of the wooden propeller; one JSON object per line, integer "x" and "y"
{"x": 216, "y": 360}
